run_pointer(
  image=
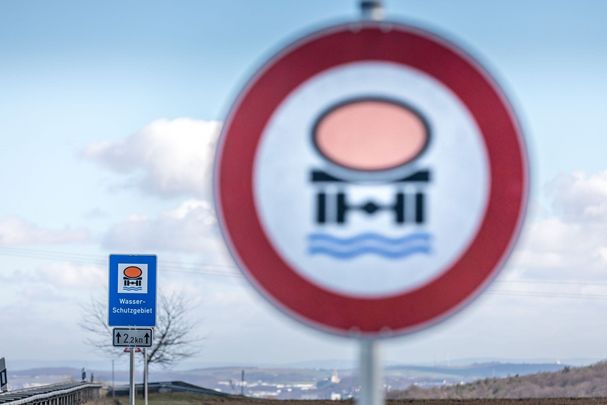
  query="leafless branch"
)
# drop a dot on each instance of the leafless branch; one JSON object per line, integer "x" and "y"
{"x": 174, "y": 337}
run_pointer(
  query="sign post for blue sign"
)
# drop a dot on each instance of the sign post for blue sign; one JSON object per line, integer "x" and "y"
{"x": 3, "y": 376}
{"x": 132, "y": 290}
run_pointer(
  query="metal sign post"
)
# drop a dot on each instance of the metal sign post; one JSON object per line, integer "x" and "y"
{"x": 145, "y": 377}
{"x": 370, "y": 374}
{"x": 113, "y": 382}
{"x": 3, "y": 376}
{"x": 370, "y": 368}
{"x": 372, "y": 10}
{"x": 132, "y": 392}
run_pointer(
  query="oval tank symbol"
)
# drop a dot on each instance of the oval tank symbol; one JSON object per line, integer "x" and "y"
{"x": 132, "y": 272}
{"x": 371, "y": 135}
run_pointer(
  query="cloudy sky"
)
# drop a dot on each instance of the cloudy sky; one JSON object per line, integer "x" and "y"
{"x": 109, "y": 115}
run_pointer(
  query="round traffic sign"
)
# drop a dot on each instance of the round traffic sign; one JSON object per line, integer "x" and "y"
{"x": 371, "y": 178}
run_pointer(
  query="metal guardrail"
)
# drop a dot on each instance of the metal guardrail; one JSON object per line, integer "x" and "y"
{"x": 170, "y": 386}
{"x": 53, "y": 394}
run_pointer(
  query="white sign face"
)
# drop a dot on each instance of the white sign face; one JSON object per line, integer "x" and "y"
{"x": 385, "y": 221}
{"x": 375, "y": 191}
{"x": 132, "y": 278}
{"x": 125, "y": 337}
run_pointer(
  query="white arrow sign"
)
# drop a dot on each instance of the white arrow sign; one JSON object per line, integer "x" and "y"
{"x": 125, "y": 337}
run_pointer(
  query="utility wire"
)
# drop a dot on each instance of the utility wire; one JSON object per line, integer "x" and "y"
{"x": 563, "y": 282}
{"x": 223, "y": 270}
{"x": 545, "y": 294}
{"x": 88, "y": 259}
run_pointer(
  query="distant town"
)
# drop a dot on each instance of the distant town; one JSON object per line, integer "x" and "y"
{"x": 292, "y": 383}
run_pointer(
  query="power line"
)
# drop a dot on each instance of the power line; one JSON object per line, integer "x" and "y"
{"x": 88, "y": 259}
{"x": 545, "y": 294}
{"x": 563, "y": 282}
{"x": 224, "y": 270}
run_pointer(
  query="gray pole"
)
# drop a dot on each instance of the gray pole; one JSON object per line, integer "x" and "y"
{"x": 145, "y": 377}
{"x": 3, "y": 376}
{"x": 132, "y": 392}
{"x": 372, "y": 10}
{"x": 113, "y": 385}
{"x": 370, "y": 374}
{"x": 370, "y": 371}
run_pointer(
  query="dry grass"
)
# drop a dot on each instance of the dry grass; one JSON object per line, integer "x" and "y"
{"x": 188, "y": 399}
{"x": 582, "y": 382}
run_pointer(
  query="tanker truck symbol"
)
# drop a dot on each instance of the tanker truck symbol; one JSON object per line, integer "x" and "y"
{"x": 370, "y": 142}
{"x": 132, "y": 277}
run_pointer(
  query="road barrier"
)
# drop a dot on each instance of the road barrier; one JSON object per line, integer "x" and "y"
{"x": 54, "y": 394}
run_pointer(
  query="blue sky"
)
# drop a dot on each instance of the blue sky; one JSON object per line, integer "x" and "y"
{"x": 84, "y": 83}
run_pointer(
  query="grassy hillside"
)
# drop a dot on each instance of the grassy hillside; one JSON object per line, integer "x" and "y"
{"x": 179, "y": 399}
{"x": 590, "y": 381}
{"x": 166, "y": 399}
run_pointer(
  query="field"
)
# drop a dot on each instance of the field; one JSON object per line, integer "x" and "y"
{"x": 188, "y": 399}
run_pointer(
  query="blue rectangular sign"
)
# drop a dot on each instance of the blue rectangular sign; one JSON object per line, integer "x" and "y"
{"x": 132, "y": 290}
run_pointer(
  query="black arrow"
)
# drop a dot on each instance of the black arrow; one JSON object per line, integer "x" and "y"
{"x": 146, "y": 338}
{"x": 118, "y": 336}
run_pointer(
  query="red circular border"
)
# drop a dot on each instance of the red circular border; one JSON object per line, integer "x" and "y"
{"x": 253, "y": 250}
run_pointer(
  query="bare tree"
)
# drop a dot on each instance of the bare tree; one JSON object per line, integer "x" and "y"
{"x": 175, "y": 339}
{"x": 174, "y": 334}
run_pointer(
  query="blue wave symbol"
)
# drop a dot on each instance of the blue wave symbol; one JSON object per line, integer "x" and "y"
{"x": 365, "y": 237}
{"x": 368, "y": 250}
{"x": 369, "y": 243}
{"x": 131, "y": 288}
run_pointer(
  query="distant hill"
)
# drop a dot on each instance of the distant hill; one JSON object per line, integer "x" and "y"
{"x": 476, "y": 370}
{"x": 570, "y": 382}
{"x": 396, "y": 376}
{"x": 317, "y": 383}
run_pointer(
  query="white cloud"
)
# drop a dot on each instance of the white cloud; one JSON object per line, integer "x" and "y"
{"x": 166, "y": 157}
{"x": 189, "y": 228}
{"x": 59, "y": 276}
{"x": 571, "y": 241}
{"x": 580, "y": 197}
{"x": 42, "y": 304}
{"x": 15, "y": 231}
{"x": 568, "y": 244}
